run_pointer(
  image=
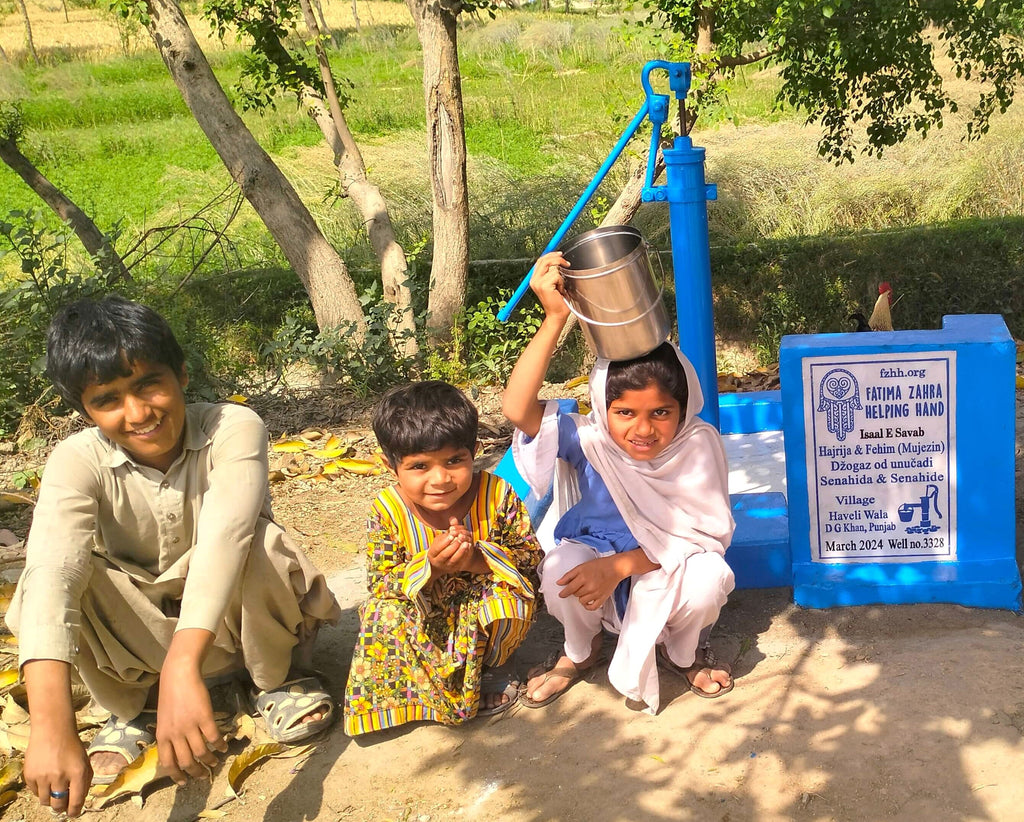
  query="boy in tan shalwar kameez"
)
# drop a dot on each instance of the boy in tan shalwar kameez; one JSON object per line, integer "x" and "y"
{"x": 154, "y": 562}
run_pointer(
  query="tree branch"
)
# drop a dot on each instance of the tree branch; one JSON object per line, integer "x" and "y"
{"x": 747, "y": 59}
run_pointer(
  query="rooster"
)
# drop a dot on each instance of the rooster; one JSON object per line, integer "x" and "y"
{"x": 881, "y": 318}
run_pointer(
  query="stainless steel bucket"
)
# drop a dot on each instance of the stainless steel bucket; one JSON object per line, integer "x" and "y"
{"x": 614, "y": 292}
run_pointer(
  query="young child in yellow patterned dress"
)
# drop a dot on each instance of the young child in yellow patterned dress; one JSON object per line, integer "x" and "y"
{"x": 452, "y": 573}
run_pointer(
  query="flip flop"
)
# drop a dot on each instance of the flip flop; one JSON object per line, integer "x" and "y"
{"x": 129, "y": 738}
{"x": 573, "y": 675}
{"x": 708, "y": 663}
{"x": 284, "y": 707}
{"x": 493, "y": 682}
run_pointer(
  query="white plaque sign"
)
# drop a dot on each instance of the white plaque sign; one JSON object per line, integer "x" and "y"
{"x": 881, "y": 456}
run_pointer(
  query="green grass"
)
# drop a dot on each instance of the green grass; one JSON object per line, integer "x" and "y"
{"x": 795, "y": 242}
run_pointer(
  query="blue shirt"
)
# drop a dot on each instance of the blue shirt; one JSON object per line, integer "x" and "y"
{"x": 594, "y": 520}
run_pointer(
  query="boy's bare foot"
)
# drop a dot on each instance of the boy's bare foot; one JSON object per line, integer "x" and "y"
{"x": 546, "y": 684}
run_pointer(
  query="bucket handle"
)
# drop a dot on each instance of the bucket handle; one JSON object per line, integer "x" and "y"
{"x": 661, "y": 293}
{"x": 654, "y": 304}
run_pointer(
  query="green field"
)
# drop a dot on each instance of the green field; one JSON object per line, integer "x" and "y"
{"x": 797, "y": 243}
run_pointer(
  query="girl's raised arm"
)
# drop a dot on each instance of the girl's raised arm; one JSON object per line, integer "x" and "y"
{"x": 520, "y": 403}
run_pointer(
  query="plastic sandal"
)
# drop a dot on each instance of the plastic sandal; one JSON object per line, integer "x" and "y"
{"x": 284, "y": 707}
{"x": 494, "y": 681}
{"x": 126, "y": 737}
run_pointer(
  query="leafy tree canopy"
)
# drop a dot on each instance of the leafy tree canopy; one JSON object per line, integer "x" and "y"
{"x": 270, "y": 67}
{"x": 875, "y": 63}
{"x": 12, "y": 126}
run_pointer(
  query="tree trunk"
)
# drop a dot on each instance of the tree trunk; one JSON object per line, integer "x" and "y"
{"x": 355, "y": 16}
{"x": 364, "y": 195}
{"x": 321, "y": 20}
{"x": 322, "y": 272}
{"x": 98, "y": 245}
{"x": 28, "y": 32}
{"x": 3, "y": 55}
{"x": 436, "y": 24}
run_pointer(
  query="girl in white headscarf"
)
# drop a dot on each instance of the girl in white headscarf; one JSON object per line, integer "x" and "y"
{"x": 642, "y": 552}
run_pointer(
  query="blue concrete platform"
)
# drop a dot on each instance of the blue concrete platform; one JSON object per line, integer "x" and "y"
{"x": 747, "y": 412}
{"x": 900, "y": 465}
{"x": 759, "y": 554}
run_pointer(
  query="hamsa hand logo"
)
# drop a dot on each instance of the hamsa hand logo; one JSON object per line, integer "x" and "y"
{"x": 839, "y": 397}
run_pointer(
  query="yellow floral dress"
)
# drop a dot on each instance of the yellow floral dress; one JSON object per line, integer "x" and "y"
{"x": 423, "y": 642}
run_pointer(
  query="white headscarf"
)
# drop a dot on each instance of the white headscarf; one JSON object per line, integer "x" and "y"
{"x": 676, "y": 504}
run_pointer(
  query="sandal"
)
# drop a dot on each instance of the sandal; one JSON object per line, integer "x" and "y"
{"x": 705, "y": 663}
{"x": 126, "y": 737}
{"x": 496, "y": 681}
{"x": 572, "y": 675}
{"x": 284, "y": 707}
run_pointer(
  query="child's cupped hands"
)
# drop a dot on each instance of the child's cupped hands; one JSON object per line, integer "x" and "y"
{"x": 547, "y": 284}
{"x": 591, "y": 582}
{"x": 451, "y": 551}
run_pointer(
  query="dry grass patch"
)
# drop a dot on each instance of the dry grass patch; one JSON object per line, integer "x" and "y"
{"x": 94, "y": 33}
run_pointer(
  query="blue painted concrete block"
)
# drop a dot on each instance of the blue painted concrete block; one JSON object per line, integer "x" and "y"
{"x": 959, "y": 483}
{"x": 759, "y": 554}
{"x": 748, "y": 412}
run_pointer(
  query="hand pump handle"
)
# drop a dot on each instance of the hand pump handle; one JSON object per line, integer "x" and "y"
{"x": 655, "y": 105}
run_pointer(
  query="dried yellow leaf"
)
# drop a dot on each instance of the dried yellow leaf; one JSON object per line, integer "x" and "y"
{"x": 328, "y": 453}
{"x": 247, "y": 759}
{"x": 1020, "y": 381}
{"x": 237, "y": 398}
{"x": 294, "y": 752}
{"x": 7, "y": 797}
{"x": 10, "y": 775}
{"x": 309, "y": 474}
{"x": 245, "y": 728}
{"x": 577, "y": 381}
{"x": 289, "y": 446}
{"x": 311, "y": 434}
{"x": 17, "y": 499}
{"x": 10, "y": 641}
{"x": 8, "y": 677}
{"x": 131, "y": 780}
{"x": 361, "y": 467}
{"x": 277, "y": 476}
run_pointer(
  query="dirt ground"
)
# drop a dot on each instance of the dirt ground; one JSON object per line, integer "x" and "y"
{"x": 890, "y": 712}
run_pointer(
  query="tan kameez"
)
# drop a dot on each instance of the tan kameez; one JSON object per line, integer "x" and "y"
{"x": 121, "y": 555}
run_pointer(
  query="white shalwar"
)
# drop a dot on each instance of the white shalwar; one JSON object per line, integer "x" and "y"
{"x": 676, "y": 508}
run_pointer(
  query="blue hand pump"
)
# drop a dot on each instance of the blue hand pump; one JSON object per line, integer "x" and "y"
{"x": 686, "y": 193}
